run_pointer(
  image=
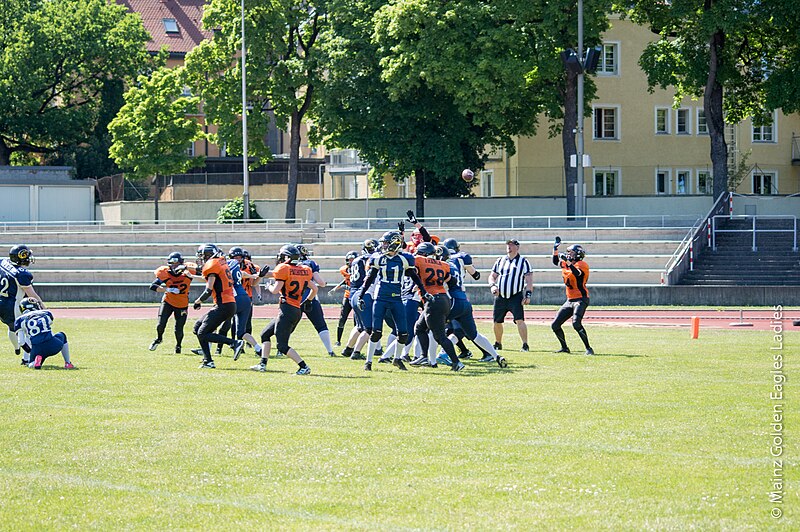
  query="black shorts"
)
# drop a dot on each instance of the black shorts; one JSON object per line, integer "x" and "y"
{"x": 215, "y": 317}
{"x": 282, "y": 327}
{"x": 504, "y": 305}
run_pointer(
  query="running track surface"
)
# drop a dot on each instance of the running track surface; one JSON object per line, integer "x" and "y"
{"x": 719, "y": 319}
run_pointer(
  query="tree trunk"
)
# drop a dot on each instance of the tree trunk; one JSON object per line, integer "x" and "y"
{"x": 294, "y": 166}
{"x": 712, "y": 102}
{"x": 420, "y": 192}
{"x": 568, "y": 139}
{"x": 155, "y": 200}
{"x": 5, "y": 153}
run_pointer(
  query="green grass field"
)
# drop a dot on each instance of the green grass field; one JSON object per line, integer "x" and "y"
{"x": 658, "y": 432}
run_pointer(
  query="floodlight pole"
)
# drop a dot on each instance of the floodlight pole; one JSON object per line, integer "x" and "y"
{"x": 245, "y": 169}
{"x": 579, "y": 199}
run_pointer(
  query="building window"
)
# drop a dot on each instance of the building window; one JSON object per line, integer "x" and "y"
{"x": 683, "y": 122}
{"x": 683, "y": 182}
{"x": 487, "y": 183}
{"x": 609, "y": 60}
{"x": 765, "y": 133}
{"x": 662, "y": 120}
{"x": 705, "y": 185}
{"x": 765, "y": 183}
{"x": 663, "y": 184}
{"x": 190, "y": 150}
{"x": 402, "y": 188}
{"x": 605, "y": 123}
{"x": 605, "y": 182}
{"x": 187, "y": 91}
{"x": 170, "y": 25}
{"x": 702, "y": 125}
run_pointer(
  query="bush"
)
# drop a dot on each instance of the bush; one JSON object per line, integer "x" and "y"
{"x": 234, "y": 210}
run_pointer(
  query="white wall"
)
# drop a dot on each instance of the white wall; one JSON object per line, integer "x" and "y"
{"x": 61, "y": 204}
{"x": 16, "y": 203}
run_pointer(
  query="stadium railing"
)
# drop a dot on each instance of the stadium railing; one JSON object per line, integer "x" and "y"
{"x": 599, "y": 221}
{"x": 143, "y": 226}
{"x": 696, "y": 240}
{"x": 754, "y": 229}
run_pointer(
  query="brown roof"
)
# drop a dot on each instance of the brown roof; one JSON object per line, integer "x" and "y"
{"x": 188, "y": 15}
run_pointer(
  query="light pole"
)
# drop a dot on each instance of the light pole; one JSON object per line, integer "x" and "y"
{"x": 245, "y": 169}
{"x": 579, "y": 202}
{"x": 321, "y": 193}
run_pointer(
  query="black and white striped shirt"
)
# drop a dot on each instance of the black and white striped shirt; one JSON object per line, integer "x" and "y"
{"x": 511, "y": 274}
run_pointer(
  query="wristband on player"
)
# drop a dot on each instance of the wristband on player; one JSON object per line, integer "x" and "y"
{"x": 476, "y": 275}
{"x": 528, "y": 294}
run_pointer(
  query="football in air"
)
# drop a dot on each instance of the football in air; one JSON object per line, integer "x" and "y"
{"x": 467, "y": 175}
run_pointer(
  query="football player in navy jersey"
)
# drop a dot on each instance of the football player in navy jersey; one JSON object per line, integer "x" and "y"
{"x": 312, "y": 308}
{"x": 244, "y": 303}
{"x": 461, "y": 315}
{"x": 358, "y": 274}
{"x": 389, "y": 267}
{"x": 16, "y": 282}
{"x": 34, "y": 326}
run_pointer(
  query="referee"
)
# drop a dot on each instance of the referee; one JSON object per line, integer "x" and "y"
{"x": 511, "y": 274}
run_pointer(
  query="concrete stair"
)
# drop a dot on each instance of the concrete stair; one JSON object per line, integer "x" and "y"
{"x": 734, "y": 262}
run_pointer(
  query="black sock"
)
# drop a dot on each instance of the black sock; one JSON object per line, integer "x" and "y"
{"x": 302, "y": 364}
{"x": 339, "y": 332}
{"x": 264, "y": 361}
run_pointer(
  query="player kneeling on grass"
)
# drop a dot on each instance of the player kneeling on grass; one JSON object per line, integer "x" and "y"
{"x": 294, "y": 286}
{"x": 34, "y": 327}
{"x": 576, "y": 274}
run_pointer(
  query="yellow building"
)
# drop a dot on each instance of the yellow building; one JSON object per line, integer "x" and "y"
{"x": 639, "y": 144}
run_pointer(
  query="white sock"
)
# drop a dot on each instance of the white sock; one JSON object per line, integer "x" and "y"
{"x": 325, "y": 336}
{"x": 373, "y": 346}
{"x": 14, "y": 340}
{"x": 389, "y": 339}
{"x": 484, "y": 343}
{"x": 407, "y": 349}
{"x": 391, "y": 349}
{"x": 65, "y": 353}
{"x": 417, "y": 349}
{"x": 432, "y": 345}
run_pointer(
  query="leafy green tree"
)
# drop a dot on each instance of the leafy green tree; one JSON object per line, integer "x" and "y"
{"x": 234, "y": 210}
{"x": 152, "y": 131}
{"x": 56, "y": 57}
{"x": 723, "y": 51}
{"x": 283, "y": 73}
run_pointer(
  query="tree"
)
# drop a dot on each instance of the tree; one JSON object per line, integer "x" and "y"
{"x": 499, "y": 62}
{"x": 55, "y": 59}
{"x": 154, "y": 128}
{"x": 283, "y": 73}
{"x": 419, "y": 132}
{"x": 724, "y": 52}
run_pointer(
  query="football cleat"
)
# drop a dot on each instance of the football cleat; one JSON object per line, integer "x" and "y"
{"x": 367, "y": 366}
{"x": 155, "y": 344}
{"x": 525, "y": 348}
{"x": 487, "y": 358}
{"x": 25, "y": 362}
{"x": 590, "y": 352}
{"x": 379, "y": 353}
{"x": 399, "y": 364}
{"x": 502, "y": 362}
{"x": 177, "y": 350}
{"x": 208, "y": 364}
{"x": 444, "y": 359}
{"x": 406, "y": 358}
{"x": 259, "y": 367}
{"x": 498, "y": 346}
{"x": 16, "y": 351}
{"x": 303, "y": 371}
{"x": 238, "y": 347}
{"x": 458, "y": 366}
{"x": 384, "y": 361}
{"x": 357, "y": 356}
{"x": 198, "y": 351}
{"x": 69, "y": 365}
{"x": 331, "y": 353}
{"x": 418, "y": 361}
{"x": 37, "y": 362}
{"x": 465, "y": 354}
{"x": 563, "y": 350}
{"x": 218, "y": 351}
{"x": 338, "y": 344}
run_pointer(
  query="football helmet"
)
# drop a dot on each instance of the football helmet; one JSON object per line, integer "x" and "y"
{"x": 392, "y": 241}
{"x": 304, "y": 251}
{"x": 442, "y": 253}
{"x": 29, "y": 304}
{"x": 289, "y": 253}
{"x": 235, "y": 251}
{"x": 426, "y": 249}
{"x": 370, "y": 246}
{"x": 175, "y": 259}
{"x": 350, "y": 257}
{"x": 21, "y": 255}
{"x": 451, "y": 244}
{"x": 576, "y": 252}
{"x": 207, "y": 251}
{"x": 247, "y": 255}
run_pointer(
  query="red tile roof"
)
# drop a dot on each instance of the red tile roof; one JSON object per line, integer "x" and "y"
{"x": 188, "y": 14}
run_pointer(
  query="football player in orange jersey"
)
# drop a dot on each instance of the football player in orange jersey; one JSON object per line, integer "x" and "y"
{"x": 434, "y": 275}
{"x": 344, "y": 313}
{"x": 576, "y": 274}
{"x": 173, "y": 281}
{"x": 293, "y": 282}
{"x": 219, "y": 284}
